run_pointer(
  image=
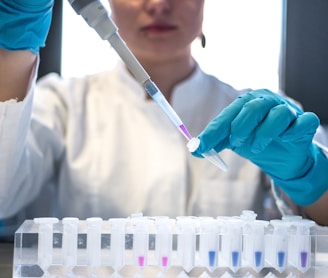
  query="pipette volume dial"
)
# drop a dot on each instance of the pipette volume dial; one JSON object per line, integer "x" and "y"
{"x": 97, "y": 17}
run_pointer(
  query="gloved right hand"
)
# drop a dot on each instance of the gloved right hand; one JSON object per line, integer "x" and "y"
{"x": 24, "y": 24}
{"x": 276, "y": 135}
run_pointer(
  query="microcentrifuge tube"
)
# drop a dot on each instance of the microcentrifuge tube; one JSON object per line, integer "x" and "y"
{"x": 45, "y": 240}
{"x": 278, "y": 253}
{"x": 186, "y": 242}
{"x": 94, "y": 241}
{"x": 140, "y": 241}
{"x": 117, "y": 242}
{"x": 290, "y": 218}
{"x": 300, "y": 244}
{"x": 70, "y": 231}
{"x": 209, "y": 243}
{"x": 248, "y": 215}
{"x": 211, "y": 155}
{"x": 231, "y": 241}
{"x": 163, "y": 242}
{"x": 253, "y": 243}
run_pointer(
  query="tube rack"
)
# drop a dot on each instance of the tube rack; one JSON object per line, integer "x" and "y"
{"x": 186, "y": 246}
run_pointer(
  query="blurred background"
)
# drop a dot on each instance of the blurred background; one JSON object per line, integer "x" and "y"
{"x": 274, "y": 44}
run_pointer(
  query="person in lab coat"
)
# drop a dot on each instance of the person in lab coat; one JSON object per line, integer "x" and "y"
{"x": 99, "y": 146}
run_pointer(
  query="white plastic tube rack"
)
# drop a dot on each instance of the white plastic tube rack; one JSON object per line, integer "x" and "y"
{"x": 239, "y": 246}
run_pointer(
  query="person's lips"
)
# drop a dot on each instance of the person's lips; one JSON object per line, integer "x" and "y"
{"x": 158, "y": 28}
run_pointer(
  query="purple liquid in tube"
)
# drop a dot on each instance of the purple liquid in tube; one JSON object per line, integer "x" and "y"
{"x": 185, "y": 132}
{"x": 304, "y": 256}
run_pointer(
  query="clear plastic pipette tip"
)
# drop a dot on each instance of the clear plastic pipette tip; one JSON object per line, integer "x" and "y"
{"x": 211, "y": 155}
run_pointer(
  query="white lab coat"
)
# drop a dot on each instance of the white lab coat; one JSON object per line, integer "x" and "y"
{"x": 97, "y": 146}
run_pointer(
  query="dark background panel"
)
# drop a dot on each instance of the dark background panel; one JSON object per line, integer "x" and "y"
{"x": 305, "y": 54}
{"x": 50, "y": 55}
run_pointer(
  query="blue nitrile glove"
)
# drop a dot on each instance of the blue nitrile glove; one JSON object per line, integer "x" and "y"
{"x": 24, "y": 24}
{"x": 276, "y": 135}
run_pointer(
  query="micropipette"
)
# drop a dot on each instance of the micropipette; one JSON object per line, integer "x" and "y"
{"x": 95, "y": 14}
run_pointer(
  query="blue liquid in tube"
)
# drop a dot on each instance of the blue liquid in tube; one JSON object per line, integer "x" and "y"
{"x": 281, "y": 259}
{"x": 211, "y": 258}
{"x": 258, "y": 258}
{"x": 235, "y": 258}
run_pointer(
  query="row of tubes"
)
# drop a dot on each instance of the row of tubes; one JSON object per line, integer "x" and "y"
{"x": 232, "y": 242}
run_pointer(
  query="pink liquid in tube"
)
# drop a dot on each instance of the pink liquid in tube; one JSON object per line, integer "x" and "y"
{"x": 141, "y": 260}
{"x": 165, "y": 260}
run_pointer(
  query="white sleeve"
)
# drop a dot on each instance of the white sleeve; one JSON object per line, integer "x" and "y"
{"x": 14, "y": 124}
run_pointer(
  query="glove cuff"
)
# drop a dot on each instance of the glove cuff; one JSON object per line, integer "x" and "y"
{"x": 309, "y": 188}
{"x": 24, "y": 27}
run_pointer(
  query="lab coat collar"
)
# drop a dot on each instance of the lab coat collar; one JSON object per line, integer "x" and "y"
{"x": 128, "y": 79}
{"x": 195, "y": 80}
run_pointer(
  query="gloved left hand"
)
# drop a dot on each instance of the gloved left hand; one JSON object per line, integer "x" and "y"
{"x": 24, "y": 24}
{"x": 276, "y": 135}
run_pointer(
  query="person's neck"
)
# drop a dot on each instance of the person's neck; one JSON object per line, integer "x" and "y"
{"x": 168, "y": 73}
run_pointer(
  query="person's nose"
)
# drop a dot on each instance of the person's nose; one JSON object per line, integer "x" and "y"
{"x": 158, "y": 6}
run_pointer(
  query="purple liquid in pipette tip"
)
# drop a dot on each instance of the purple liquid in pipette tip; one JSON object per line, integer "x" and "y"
{"x": 185, "y": 132}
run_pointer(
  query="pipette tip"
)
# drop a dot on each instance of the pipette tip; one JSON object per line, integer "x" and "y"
{"x": 211, "y": 155}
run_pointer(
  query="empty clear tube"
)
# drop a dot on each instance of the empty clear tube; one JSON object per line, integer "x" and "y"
{"x": 45, "y": 240}
{"x": 70, "y": 230}
{"x": 186, "y": 242}
{"x": 94, "y": 241}
{"x": 211, "y": 155}
{"x": 117, "y": 243}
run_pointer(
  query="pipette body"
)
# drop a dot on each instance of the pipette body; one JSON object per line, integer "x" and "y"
{"x": 96, "y": 16}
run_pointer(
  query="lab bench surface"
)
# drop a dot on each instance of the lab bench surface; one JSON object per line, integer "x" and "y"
{"x": 6, "y": 260}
